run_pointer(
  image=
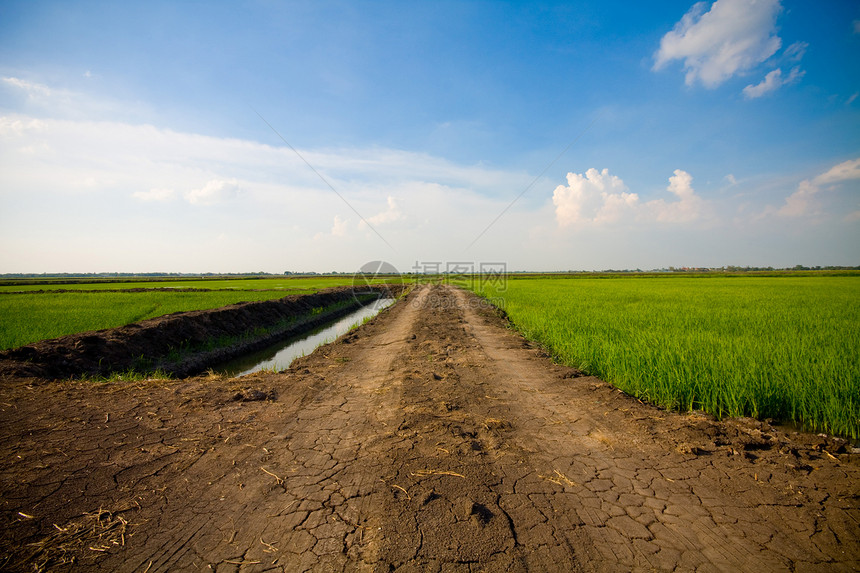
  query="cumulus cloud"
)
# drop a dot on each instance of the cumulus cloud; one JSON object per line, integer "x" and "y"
{"x": 215, "y": 191}
{"x": 688, "y": 207}
{"x": 771, "y": 82}
{"x": 600, "y": 198}
{"x": 339, "y": 229}
{"x": 730, "y": 38}
{"x": 802, "y": 201}
{"x": 392, "y": 213}
{"x": 596, "y": 197}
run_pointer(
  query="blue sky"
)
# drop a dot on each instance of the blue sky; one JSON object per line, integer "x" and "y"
{"x": 709, "y": 134}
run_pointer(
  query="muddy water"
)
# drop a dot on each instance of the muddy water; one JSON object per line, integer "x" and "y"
{"x": 280, "y": 355}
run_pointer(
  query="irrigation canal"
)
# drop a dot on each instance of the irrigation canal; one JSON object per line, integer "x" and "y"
{"x": 281, "y": 354}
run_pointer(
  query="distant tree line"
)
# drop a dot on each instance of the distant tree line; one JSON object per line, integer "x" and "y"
{"x": 260, "y": 274}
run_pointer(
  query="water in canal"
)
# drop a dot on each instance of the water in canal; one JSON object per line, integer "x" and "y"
{"x": 280, "y": 355}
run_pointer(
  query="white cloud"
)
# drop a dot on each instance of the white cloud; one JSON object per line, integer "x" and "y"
{"x": 600, "y": 198}
{"x": 688, "y": 207}
{"x": 730, "y": 38}
{"x": 596, "y": 197}
{"x": 795, "y": 74}
{"x": 32, "y": 89}
{"x": 64, "y": 177}
{"x": 802, "y": 202}
{"x": 845, "y": 171}
{"x": 12, "y": 126}
{"x": 392, "y": 213}
{"x": 338, "y": 228}
{"x": 796, "y": 51}
{"x": 38, "y": 99}
{"x": 49, "y": 153}
{"x": 771, "y": 82}
{"x": 155, "y": 194}
{"x": 215, "y": 191}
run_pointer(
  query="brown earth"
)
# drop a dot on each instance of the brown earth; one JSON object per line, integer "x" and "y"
{"x": 431, "y": 439}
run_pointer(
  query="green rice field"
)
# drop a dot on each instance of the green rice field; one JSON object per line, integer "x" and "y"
{"x": 33, "y": 316}
{"x": 786, "y": 348}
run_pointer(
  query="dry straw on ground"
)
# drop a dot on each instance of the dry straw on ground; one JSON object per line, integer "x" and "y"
{"x": 82, "y": 539}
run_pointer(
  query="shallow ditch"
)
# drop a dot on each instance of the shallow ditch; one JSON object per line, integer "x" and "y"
{"x": 280, "y": 355}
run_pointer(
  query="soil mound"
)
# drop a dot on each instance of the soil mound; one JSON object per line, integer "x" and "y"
{"x": 185, "y": 343}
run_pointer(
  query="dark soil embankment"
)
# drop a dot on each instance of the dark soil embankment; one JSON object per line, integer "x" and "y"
{"x": 185, "y": 343}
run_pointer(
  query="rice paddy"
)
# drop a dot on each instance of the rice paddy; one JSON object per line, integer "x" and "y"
{"x": 784, "y": 348}
{"x": 29, "y": 313}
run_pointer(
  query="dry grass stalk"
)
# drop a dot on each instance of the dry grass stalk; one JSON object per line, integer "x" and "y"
{"x": 83, "y": 539}
{"x": 403, "y": 490}
{"x": 280, "y": 481}
{"x": 424, "y": 473}
{"x": 559, "y": 479}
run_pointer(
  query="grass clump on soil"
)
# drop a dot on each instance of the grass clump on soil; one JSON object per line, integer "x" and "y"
{"x": 778, "y": 347}
{"x": 132, "y": 375}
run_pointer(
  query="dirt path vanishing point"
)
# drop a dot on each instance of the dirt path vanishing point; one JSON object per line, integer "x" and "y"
{"x": 431, "y": 439}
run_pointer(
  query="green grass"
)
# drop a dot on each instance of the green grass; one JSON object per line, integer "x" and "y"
{"x": 26, "y": 318}
{"x": 781, "y": 348}
{"x": 34, "y": 316}
{"x": 131, "y": 376}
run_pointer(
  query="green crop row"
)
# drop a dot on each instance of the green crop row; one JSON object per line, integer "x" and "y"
{"x": 780, "y": 348}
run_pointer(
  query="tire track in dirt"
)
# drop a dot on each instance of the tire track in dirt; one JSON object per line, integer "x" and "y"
{"x": 430, "y": 439}
{"x": 317, "y": 505}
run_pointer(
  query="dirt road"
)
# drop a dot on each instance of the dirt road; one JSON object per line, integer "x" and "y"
{"x": 431, "y": 439}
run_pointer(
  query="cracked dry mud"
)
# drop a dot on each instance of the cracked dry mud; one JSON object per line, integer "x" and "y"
{"x": 431, "y": 439}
